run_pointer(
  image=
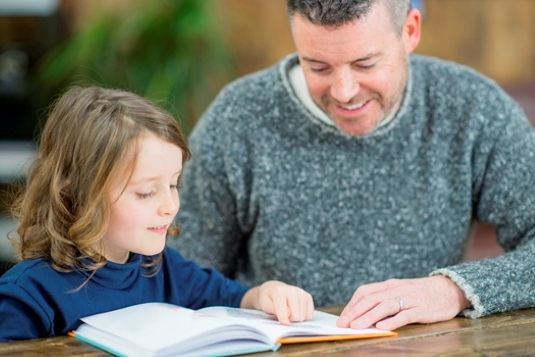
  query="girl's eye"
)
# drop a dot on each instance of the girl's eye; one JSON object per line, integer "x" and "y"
{"x": 177, "y": 185}
{"x": 145, "y": 195}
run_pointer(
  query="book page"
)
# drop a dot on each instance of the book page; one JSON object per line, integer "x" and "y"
{"x": 321, "y": 325}
{"x": 164, "y": 329}
{"x": 158, "y": 326}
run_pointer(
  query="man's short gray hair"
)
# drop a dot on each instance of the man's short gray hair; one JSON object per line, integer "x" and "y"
{"x": 334, "y": 13}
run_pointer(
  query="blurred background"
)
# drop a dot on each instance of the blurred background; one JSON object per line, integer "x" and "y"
{"x": 181, "y": 52}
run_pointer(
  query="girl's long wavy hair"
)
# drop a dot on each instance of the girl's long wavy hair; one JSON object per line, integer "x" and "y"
{"x": 63, "y": 210}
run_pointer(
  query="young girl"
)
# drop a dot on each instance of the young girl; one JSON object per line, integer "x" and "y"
{"x": 99, "y": 200}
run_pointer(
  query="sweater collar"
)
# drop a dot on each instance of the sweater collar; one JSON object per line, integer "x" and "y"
{"x": 118, "y": 276}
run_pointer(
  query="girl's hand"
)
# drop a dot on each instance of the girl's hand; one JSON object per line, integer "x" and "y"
{"x": 287, "y": 302}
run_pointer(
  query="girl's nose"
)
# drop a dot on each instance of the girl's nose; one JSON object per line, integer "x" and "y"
{"x": 169, "y": 204}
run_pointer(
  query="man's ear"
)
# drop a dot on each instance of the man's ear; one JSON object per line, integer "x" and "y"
{"x": 412, "y": 30}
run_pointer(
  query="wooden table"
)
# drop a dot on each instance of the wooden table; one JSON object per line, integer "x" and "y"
{"x": 506, "y": 334}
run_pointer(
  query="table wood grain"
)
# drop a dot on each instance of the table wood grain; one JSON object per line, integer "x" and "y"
{"x": 504, "y": 334}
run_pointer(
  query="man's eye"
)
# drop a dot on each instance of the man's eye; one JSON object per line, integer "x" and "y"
{"x": 368, "y": 66}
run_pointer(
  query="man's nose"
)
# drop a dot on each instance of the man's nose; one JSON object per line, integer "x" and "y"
{"x": 344, "y": 87}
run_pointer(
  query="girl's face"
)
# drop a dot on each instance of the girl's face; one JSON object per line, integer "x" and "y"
{"x": 144, "y": 205}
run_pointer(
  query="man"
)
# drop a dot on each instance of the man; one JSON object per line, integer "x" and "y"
{"x": 356, "y": 165}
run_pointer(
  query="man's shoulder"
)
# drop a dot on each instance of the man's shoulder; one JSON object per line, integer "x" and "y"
{"x": 446, "y": 70}
{"x": 259, "y": 79}
{"x": 250, "y": 96}
{"x": 452, "y": 88}
{"x": 443, "y": 77}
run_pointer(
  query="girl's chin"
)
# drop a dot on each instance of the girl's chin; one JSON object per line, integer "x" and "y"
{"x": 153, "y": 250}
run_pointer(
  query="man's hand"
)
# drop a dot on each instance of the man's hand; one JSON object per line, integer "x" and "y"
{"x": 287, "y": 302}
{"x": 395, "y": 303}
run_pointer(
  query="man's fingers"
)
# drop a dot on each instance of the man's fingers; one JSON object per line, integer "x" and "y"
{"x": 384, "y": 310}
{"x": 396, "y": 321}
{"x": 352, "y": 312}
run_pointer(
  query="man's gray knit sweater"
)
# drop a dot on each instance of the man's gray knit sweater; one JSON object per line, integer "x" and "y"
{"x": 274, "y": 193}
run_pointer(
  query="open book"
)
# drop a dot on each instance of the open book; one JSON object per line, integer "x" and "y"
{"x": 158, "y": 329}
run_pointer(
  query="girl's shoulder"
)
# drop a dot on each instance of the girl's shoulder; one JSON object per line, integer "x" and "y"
{"x": 33, "y": 268}
{"x": 28, "y": 280}
{"x": 37, "y": 275}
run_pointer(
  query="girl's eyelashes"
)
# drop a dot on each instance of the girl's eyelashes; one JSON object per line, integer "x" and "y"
{"x": 178, "y": 183}
{"x": 172, "y": 186}
{"x": 145, "y": 195}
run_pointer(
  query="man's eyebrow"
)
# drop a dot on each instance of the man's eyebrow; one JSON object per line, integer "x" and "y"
{"x": 362, "y": 59}
{"x": 308, "y": 59}
{"x": 367, "y": 57}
